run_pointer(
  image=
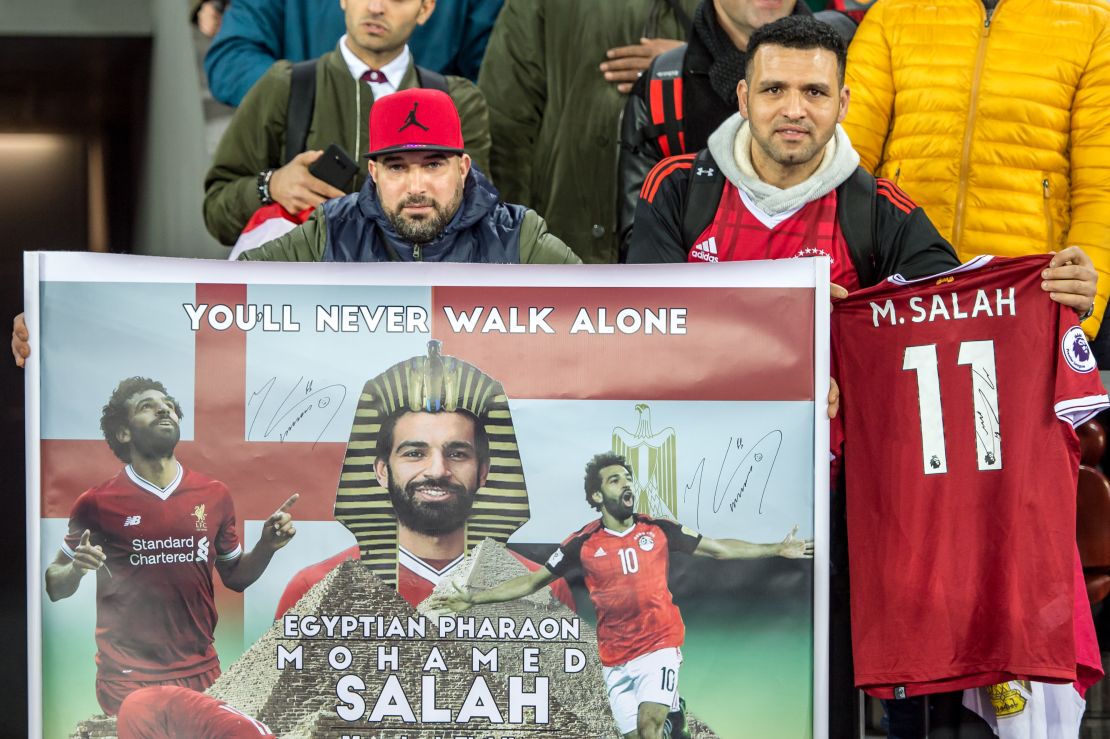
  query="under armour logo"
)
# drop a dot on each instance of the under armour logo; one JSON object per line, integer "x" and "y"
{"x": 705, "y": 171}
{"x": 411, "y": 120}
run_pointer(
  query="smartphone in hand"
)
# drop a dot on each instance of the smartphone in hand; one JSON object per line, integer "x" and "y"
{"x": 335, "y": 167}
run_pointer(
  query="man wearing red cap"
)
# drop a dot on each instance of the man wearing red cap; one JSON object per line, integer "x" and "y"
{"x": 263, "y": 158}
{"x": 422, "y": 202}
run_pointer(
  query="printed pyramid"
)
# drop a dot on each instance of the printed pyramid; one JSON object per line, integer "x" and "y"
{"x": 302, "y": 703}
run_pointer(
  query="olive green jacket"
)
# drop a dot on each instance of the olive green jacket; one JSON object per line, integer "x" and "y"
{"x": 307, "y": 243}
{"x": 553, "y": 117}
{"x": 255, "y": 139}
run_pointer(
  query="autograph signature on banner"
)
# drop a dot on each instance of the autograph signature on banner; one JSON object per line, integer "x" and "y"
{"x": 305, "y": 408}
{"x": 743, "y": 471}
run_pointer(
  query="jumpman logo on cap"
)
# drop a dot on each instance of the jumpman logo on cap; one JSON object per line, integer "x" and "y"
{"x": 411, "y": 120}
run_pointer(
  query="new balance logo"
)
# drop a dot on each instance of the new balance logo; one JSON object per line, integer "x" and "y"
{"x": 705, "y": 171}
{"x": 600, "y": 552}
{"x": 132, "y": 520}
{"x": 706, "y": 251}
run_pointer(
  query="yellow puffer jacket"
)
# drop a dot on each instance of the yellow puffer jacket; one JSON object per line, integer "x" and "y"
{"x": 999, "y": 130}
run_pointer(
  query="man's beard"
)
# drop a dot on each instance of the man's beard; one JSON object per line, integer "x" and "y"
{"x": 618, "y": 508}
{"x": 427, "y": 517}
{"x": 153, "y": 442}
{"x": 423, "y": 230}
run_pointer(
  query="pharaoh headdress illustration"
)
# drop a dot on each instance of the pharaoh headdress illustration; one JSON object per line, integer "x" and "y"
{"x": 652, "y": 458}
{"x": 434, "y": 384}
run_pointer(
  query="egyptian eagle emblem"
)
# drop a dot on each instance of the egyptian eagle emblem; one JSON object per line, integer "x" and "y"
{"x": 652, "y": 458}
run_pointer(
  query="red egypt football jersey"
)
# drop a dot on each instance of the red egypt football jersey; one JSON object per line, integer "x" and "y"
{"x": 155, "y": 611}
{"x": 960, "y": 392}
{"x": 626, "y": 575}
{"x": 172, "y": 712}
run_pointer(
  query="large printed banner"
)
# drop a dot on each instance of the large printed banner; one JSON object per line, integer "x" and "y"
{"x": 435, "y": 422}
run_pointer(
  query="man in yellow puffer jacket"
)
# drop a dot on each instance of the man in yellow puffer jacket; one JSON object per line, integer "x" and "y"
{"x": 994, "y": 116}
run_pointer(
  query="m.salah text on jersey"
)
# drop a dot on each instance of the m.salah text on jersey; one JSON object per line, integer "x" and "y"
{"x": 946, "y": 307}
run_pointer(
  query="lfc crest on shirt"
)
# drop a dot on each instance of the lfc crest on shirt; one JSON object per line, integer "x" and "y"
{"x": 652, "y": 459}
{"x": 1009, "y": 699}
{"x": 201, "y": 517}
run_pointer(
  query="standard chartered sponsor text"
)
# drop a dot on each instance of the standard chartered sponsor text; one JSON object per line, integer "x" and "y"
{"x": 171, "y": 550}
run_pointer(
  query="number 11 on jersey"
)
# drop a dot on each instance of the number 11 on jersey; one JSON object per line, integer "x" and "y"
{"x": 979, "y": 355}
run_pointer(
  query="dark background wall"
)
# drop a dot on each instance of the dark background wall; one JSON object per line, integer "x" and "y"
{"x": 72, "y": 126}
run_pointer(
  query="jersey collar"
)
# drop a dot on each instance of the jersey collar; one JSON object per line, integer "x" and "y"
{"x": 971, "y": 264}
{"x": 150, "y": 487}
{"x": 419, "y": 567}
{"x": 624, "y": 533}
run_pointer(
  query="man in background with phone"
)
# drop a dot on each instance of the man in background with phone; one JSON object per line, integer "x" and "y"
{"x": 254, "y": 165}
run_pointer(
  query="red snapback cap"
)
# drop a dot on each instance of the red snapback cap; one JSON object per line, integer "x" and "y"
{"x": 413, "y": 120}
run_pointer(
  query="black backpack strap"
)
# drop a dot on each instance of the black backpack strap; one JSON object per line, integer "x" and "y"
{"x": 302, "y": 99}
{"x": 665, "y": 102}
{"x": 855, "y": 210}
{"x": 703, "y": 197}
{"x": 430, "y": 80}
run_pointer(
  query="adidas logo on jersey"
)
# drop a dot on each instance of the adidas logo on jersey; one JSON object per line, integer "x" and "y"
{"x": 132, "y": 520}
{"x": 599, "y": 553}
{"x": 706, "y": 251}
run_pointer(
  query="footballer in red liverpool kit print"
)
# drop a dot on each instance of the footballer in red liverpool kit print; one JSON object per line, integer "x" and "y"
{"x": 153, "y": 534}
{"x": 625, "y": 557}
